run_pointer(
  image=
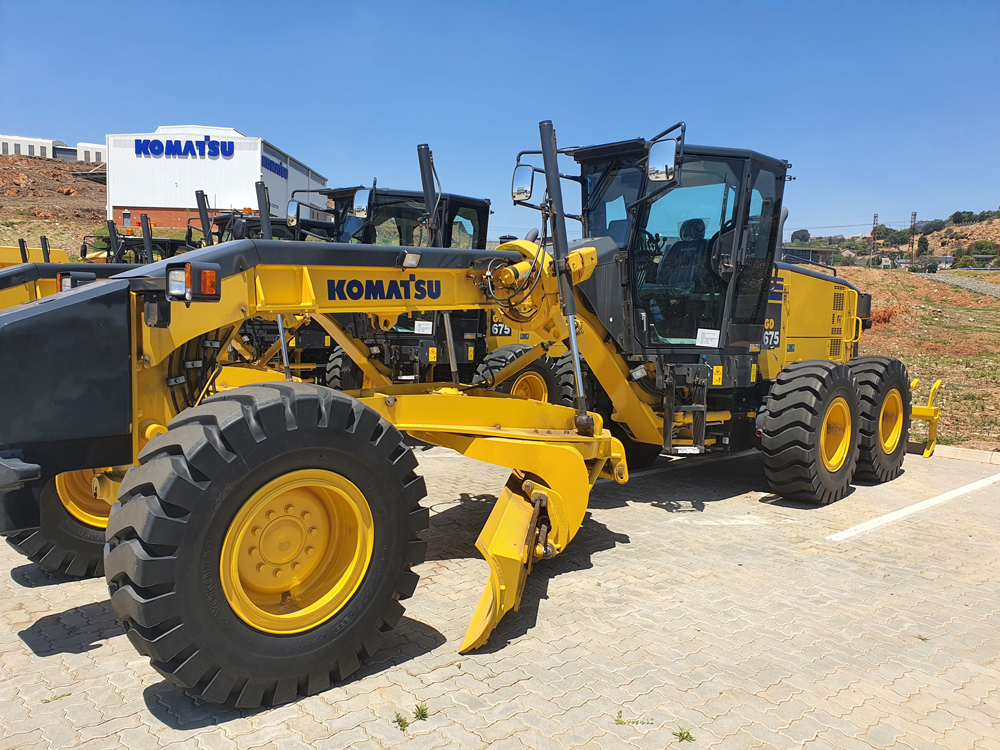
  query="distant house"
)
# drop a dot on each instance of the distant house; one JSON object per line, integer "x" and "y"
{"x": 887, "y": 263}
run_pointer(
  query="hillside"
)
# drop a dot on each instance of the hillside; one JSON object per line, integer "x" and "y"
{"x": 946, "y": 241}
{"x": 41, "y": 197}
{"x": 941, "y": 332}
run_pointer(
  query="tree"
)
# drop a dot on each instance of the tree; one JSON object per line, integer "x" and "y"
{"x": 935, "y": 225}
{"x": 800, "y": 235}
{"x": 923, "y": 246}
{"x": 965, "y": 261}
{"x": 983, "y": 247}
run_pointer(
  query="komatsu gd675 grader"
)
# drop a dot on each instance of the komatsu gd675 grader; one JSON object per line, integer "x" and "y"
{"x": 263, "y": 536}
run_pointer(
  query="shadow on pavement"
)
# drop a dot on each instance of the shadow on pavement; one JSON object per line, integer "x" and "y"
{"x": 32, "y": 576}
{"x": 453, "y": 532}
{"x": 178, "y": 710}
{"x": 74, "y": 631}
{"x": 686, "y": 485}
{"x": 778, "y": 500}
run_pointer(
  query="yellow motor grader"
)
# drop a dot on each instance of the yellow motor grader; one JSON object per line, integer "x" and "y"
{"x": 263, "y": 536}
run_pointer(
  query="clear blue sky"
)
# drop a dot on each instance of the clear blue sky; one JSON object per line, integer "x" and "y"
{"x": 880, "y": 106}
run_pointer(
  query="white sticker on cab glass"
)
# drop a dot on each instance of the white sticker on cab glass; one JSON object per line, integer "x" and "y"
{"x": 708, "y": 337}
{"x": 427, "y": 327}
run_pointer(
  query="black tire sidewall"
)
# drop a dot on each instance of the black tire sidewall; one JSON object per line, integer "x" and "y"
{"x": 198, "y": 583}
{"x": 65, "y": 530}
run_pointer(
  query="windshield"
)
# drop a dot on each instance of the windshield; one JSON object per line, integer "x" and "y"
{"x": 683, "y": 247}
{"x": 607, "y": 190}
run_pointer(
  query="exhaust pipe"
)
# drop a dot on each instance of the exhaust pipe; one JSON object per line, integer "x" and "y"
{"x": 264, "y": 209}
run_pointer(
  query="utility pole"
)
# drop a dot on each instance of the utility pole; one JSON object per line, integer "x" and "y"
{"x": 874, "y": 233}
{"x": 913, "y": 237}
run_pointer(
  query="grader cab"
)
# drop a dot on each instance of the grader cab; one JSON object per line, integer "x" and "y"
{"x": 263, "y": 536}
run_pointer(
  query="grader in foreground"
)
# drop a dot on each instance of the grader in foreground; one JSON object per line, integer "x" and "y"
{"x": 264, "y": 536}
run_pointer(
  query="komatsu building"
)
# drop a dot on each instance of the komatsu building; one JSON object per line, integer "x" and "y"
{"x": 158, "y": 173}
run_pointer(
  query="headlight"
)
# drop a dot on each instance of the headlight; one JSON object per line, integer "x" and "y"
{"x": 176, "y": 282}
{"x": 65, "y": 283}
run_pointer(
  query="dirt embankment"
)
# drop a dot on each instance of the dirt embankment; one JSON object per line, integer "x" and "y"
{"x": 42, "y": 197}
{"x": 940, "y": 331}
{"x": 948, "y": 240}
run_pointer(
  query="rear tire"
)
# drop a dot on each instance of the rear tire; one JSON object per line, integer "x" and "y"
{"x": 884, "y": 391}
{"x": 62, "y": 543}
{"x": 172, "y": 583}
{"x": 811, "y": 432}
{"x": 341, "y": 372}
{"x": 537, "y": 381}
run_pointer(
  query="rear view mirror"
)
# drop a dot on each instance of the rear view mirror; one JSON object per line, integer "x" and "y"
{"x": 523, "y": 183}
{"x": 292, "y": 213}
{"x": 239, "y": 228}
{"x": 361, "y": 203}
{"x": 83, "y": 250}
{"x": 662, "y": 160}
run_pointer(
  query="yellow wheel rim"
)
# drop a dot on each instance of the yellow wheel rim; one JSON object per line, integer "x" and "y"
{"x": 76, "y": 492}
{"x": 890, "y": 421}
{"x": 297, "y": 551}
{"x": 835, "y": 435}
{"x": 530, "y": 385}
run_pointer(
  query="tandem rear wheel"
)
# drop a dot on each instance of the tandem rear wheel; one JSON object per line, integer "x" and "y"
{"x": 810, "y": 432}
{"x": 262, "y": 546}
{"x": 884, "y": 403}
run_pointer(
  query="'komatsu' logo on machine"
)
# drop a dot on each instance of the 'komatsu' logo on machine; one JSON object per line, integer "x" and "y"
{"x": 355, "y": 289}
{"x": 207, "y": 147}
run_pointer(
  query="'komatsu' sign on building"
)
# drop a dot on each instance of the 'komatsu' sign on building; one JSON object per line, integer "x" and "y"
{"x": 158, "y": 173}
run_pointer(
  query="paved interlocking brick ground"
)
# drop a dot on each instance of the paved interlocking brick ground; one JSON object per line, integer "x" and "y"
{"x": 690, "y": 599}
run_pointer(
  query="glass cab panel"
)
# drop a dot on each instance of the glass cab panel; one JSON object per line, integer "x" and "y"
{"x": 683, "y": 253}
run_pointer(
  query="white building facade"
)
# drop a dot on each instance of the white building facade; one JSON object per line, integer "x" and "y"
{"x": 51, "y": 148}
{"x": 158, "y": 173}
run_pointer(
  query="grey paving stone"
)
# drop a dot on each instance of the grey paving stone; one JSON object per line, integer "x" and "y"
{"x": 715, "y": 611}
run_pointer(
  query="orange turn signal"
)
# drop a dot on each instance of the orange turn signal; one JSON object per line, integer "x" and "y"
{"x": 207, "y": 282}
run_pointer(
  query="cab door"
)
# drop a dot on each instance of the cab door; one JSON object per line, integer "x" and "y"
{"x": 755, "y": 257}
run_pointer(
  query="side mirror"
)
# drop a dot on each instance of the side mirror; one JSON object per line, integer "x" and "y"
{"x": 239, "y": 228}
{"x": 361, "y": 199}
{"x": 662, "y": 160}
{"x": 83, "y": 250}
{"x": 523, "y": 183}
{"x": 292, "y": 213}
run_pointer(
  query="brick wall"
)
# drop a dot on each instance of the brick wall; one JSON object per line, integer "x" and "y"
{"x": 162, "y": 217}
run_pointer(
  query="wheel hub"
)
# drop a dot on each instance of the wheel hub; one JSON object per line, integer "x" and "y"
{"x": 530, "y": 385}
{"x": 835, "y": 435}
{"x": 76, "y": 492}
{"x": 890, "y": 421}
{"x": 296, "y": 551}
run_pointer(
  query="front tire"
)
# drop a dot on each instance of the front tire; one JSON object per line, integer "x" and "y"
{"x": 810, "y": 432}
{"x": 261, "y": 547}
{"x": 884, "y": 390}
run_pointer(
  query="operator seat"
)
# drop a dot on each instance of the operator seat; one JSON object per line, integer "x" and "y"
{"x": 686, "y": 256}
{"x": 618, "y": 231}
